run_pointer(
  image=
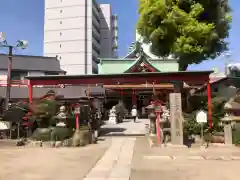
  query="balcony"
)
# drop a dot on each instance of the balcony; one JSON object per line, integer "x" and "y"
{"x": 96, "y": 34}
{"x": 95, "y": 13}
{"x": 96, "y": 24}
{"x": 96, "y": 44}
{"x": 95, "y": 54}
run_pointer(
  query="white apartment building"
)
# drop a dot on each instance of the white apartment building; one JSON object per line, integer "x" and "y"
{"x": 78, "y": 32}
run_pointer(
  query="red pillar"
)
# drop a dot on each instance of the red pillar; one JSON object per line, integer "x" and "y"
{"x": 77, "y": 121}
{"x": 209, "y": 105}
{"x": 121, "y": 92}
{"x": 30, "y": 92}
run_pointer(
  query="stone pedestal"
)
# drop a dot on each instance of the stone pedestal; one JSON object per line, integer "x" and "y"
{"x": 227, "y": 124}
{"x": 228, "y": 134}
{"x": 176, "y": 119}
{"x": 112, "y": 119}
{"x": 113, "y": 116}
{"x": 152, "y": 119}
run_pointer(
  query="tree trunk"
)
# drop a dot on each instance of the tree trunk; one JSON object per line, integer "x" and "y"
{"x": 182, "y": 67}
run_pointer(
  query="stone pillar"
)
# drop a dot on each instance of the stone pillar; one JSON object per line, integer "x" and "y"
{"x": 228, "y": 133}
{"x": 152, "y": 118}
{"x": 176, "y": 118}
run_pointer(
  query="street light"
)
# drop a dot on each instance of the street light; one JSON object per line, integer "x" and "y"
{"x": 19, "y": 44}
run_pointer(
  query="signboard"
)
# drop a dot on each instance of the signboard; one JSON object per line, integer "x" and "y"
{"x": 201, "y": 117}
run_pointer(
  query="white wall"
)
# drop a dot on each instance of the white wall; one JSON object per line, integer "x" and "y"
{"x": 64, "y": 34}
{"x": 67, "y": 23}
{"x": 65, "y": 30}
{"x": 224, "y": 91}
{"x": 59, "y": 3}
{"x": 35, "y": 73}
{"x": 3, "y": 75}
{"x": 107, "y": 31}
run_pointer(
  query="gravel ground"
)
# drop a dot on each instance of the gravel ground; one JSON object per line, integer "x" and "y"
{"x": 183, "y": 168}
{"x": 48, "y": 163}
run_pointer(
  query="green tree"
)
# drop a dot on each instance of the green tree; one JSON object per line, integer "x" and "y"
{"x": 190, "y": 30}
{"x": 200, "y": 103}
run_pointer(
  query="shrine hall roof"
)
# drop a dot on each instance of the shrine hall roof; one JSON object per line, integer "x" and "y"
{"x": 125, "y": 77}
{"x": 140, "y": 74}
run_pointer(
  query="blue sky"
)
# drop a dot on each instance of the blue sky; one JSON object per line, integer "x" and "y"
{"x": 23, "y": 19}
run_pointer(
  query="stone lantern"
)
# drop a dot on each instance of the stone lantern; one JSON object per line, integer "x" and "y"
{"x": 152, "y": 118}
{"x": 227, "y": 122}
{"x": 231, "y": 119}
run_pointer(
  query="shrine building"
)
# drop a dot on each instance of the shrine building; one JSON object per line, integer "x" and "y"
{"x": 139, "y": 60}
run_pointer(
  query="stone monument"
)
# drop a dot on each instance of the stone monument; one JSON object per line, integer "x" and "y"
{"x": 176, "y": 119}
{"x": 61, "y": 117}
{"x": 113, "y": 116}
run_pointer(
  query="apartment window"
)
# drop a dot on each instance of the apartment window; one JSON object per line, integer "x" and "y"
{"x": 60, "y": 22}
{"x": 61, "y": 11}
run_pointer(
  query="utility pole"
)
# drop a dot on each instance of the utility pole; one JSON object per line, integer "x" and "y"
{"x": 9, "y": 80}
{"x": 3, "y": 43}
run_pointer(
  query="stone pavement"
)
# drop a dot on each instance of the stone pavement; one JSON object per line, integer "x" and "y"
{"x": 127, "y": 128}
{"x": 116, "y": 163}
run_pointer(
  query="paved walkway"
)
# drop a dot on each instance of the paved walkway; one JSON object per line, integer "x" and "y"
{"x": 116, "y": 163}
{"x": 127, "y": 128}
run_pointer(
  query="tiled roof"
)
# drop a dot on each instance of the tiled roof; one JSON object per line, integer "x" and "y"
{"x": 31, "y": 63}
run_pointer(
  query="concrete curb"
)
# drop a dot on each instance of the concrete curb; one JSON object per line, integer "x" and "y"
{"x": 222, "y": 158}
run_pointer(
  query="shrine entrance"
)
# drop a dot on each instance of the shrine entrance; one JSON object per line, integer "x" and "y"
{"x": 139, "y": 60}
{"x": 175, "y": 79}
{"x": 139, "y": 95}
